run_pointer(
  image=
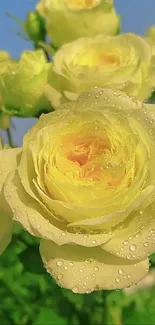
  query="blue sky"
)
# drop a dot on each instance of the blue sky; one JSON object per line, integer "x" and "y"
{"x": 137, "y": 16}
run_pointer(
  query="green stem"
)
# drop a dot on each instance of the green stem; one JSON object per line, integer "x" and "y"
{"x": 10, "y": 142}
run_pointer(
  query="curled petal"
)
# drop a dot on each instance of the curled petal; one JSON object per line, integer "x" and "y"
{"x": 37, "y": 221}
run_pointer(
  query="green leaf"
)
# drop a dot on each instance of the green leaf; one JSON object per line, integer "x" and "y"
{"x": 152, "y": 260}
{"x": 49, "y": 317}
{"x": 141, "y": 317}
{"x": 3, "y": 319}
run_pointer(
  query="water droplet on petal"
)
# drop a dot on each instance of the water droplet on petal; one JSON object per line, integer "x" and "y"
{"x": 60, "y": 263}
{"x": 121, "y": 271}
{"x": 117, "y": 280}
{"x": 146, "y": 244}
{"x": 126, "y": 242}
{"x": 96, "y": 269}
{"x": 59, "y": 277}
{"x": 75, "y": 289}
{"x": 132, "y": 247}
{"x": 129, "y": 256}
{"x": 88, "y": 291}
{"x": 71, "y": 264}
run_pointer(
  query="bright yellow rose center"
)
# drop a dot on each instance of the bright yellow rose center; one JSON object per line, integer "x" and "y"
{"x": 93, "y": 58}
{"x": 82, "y": 4}
{"x": 91, "y": 159}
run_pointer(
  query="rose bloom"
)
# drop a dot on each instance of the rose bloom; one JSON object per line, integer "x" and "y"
{"x": 67, "y": 20}
{"x": 85, "y": 184}
{"x": 121, "y": 62}
{"x": 22, "y": 84}
{"x": 5, "y": 212}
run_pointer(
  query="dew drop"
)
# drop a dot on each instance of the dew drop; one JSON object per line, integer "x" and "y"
{"x": 71, "y": 264}
{"x": 75, "y": 289}
{"x": 66, "y": 267}
{"x": 121, "y": 271}
{"x": 117, "y": 280}
{"x": 126, "y": 242}
{"x": 93, "y": 242}
{"x": 96, "y": 269}
{"x": 146, "y": 244}
{"x": 129, "y": 256}
{"x": 60, "y": 263}
{"x": 88, "y": 291}
{"x": 132, "y": 247}
{"x": 59, "y": 277}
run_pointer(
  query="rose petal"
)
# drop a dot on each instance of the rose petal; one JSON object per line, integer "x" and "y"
{"x": 37, "y": 221}
{"x": 8, "y": 162}
{"x": 137, "y": 238}
{"x": 5, "y": 230}
{"x": 84, "y": 270}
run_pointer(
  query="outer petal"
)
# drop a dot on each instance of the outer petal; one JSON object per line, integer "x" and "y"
{"x": 84, "y": 270}
{"x": 8, "y": 162}
{"x": 5, "y": 230}
{"x": 137, "y": 238}
{"x": 37, "y": 221}
{"x": 65, "y": 25}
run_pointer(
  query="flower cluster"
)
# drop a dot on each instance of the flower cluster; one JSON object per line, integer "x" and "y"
{"x": 83, "y": 181}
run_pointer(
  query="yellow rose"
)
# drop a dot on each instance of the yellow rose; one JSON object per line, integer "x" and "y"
{"x": 67, "y": 20}
{"x": 120, "y": 62}
{"x": 85, "y": 184}
{"x": 22, "y": 84}
{"x": 8, "y": 162}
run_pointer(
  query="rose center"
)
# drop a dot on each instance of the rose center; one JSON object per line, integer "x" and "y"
{"x": 94, "y": 58}
{"x": 87, "y": 150}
